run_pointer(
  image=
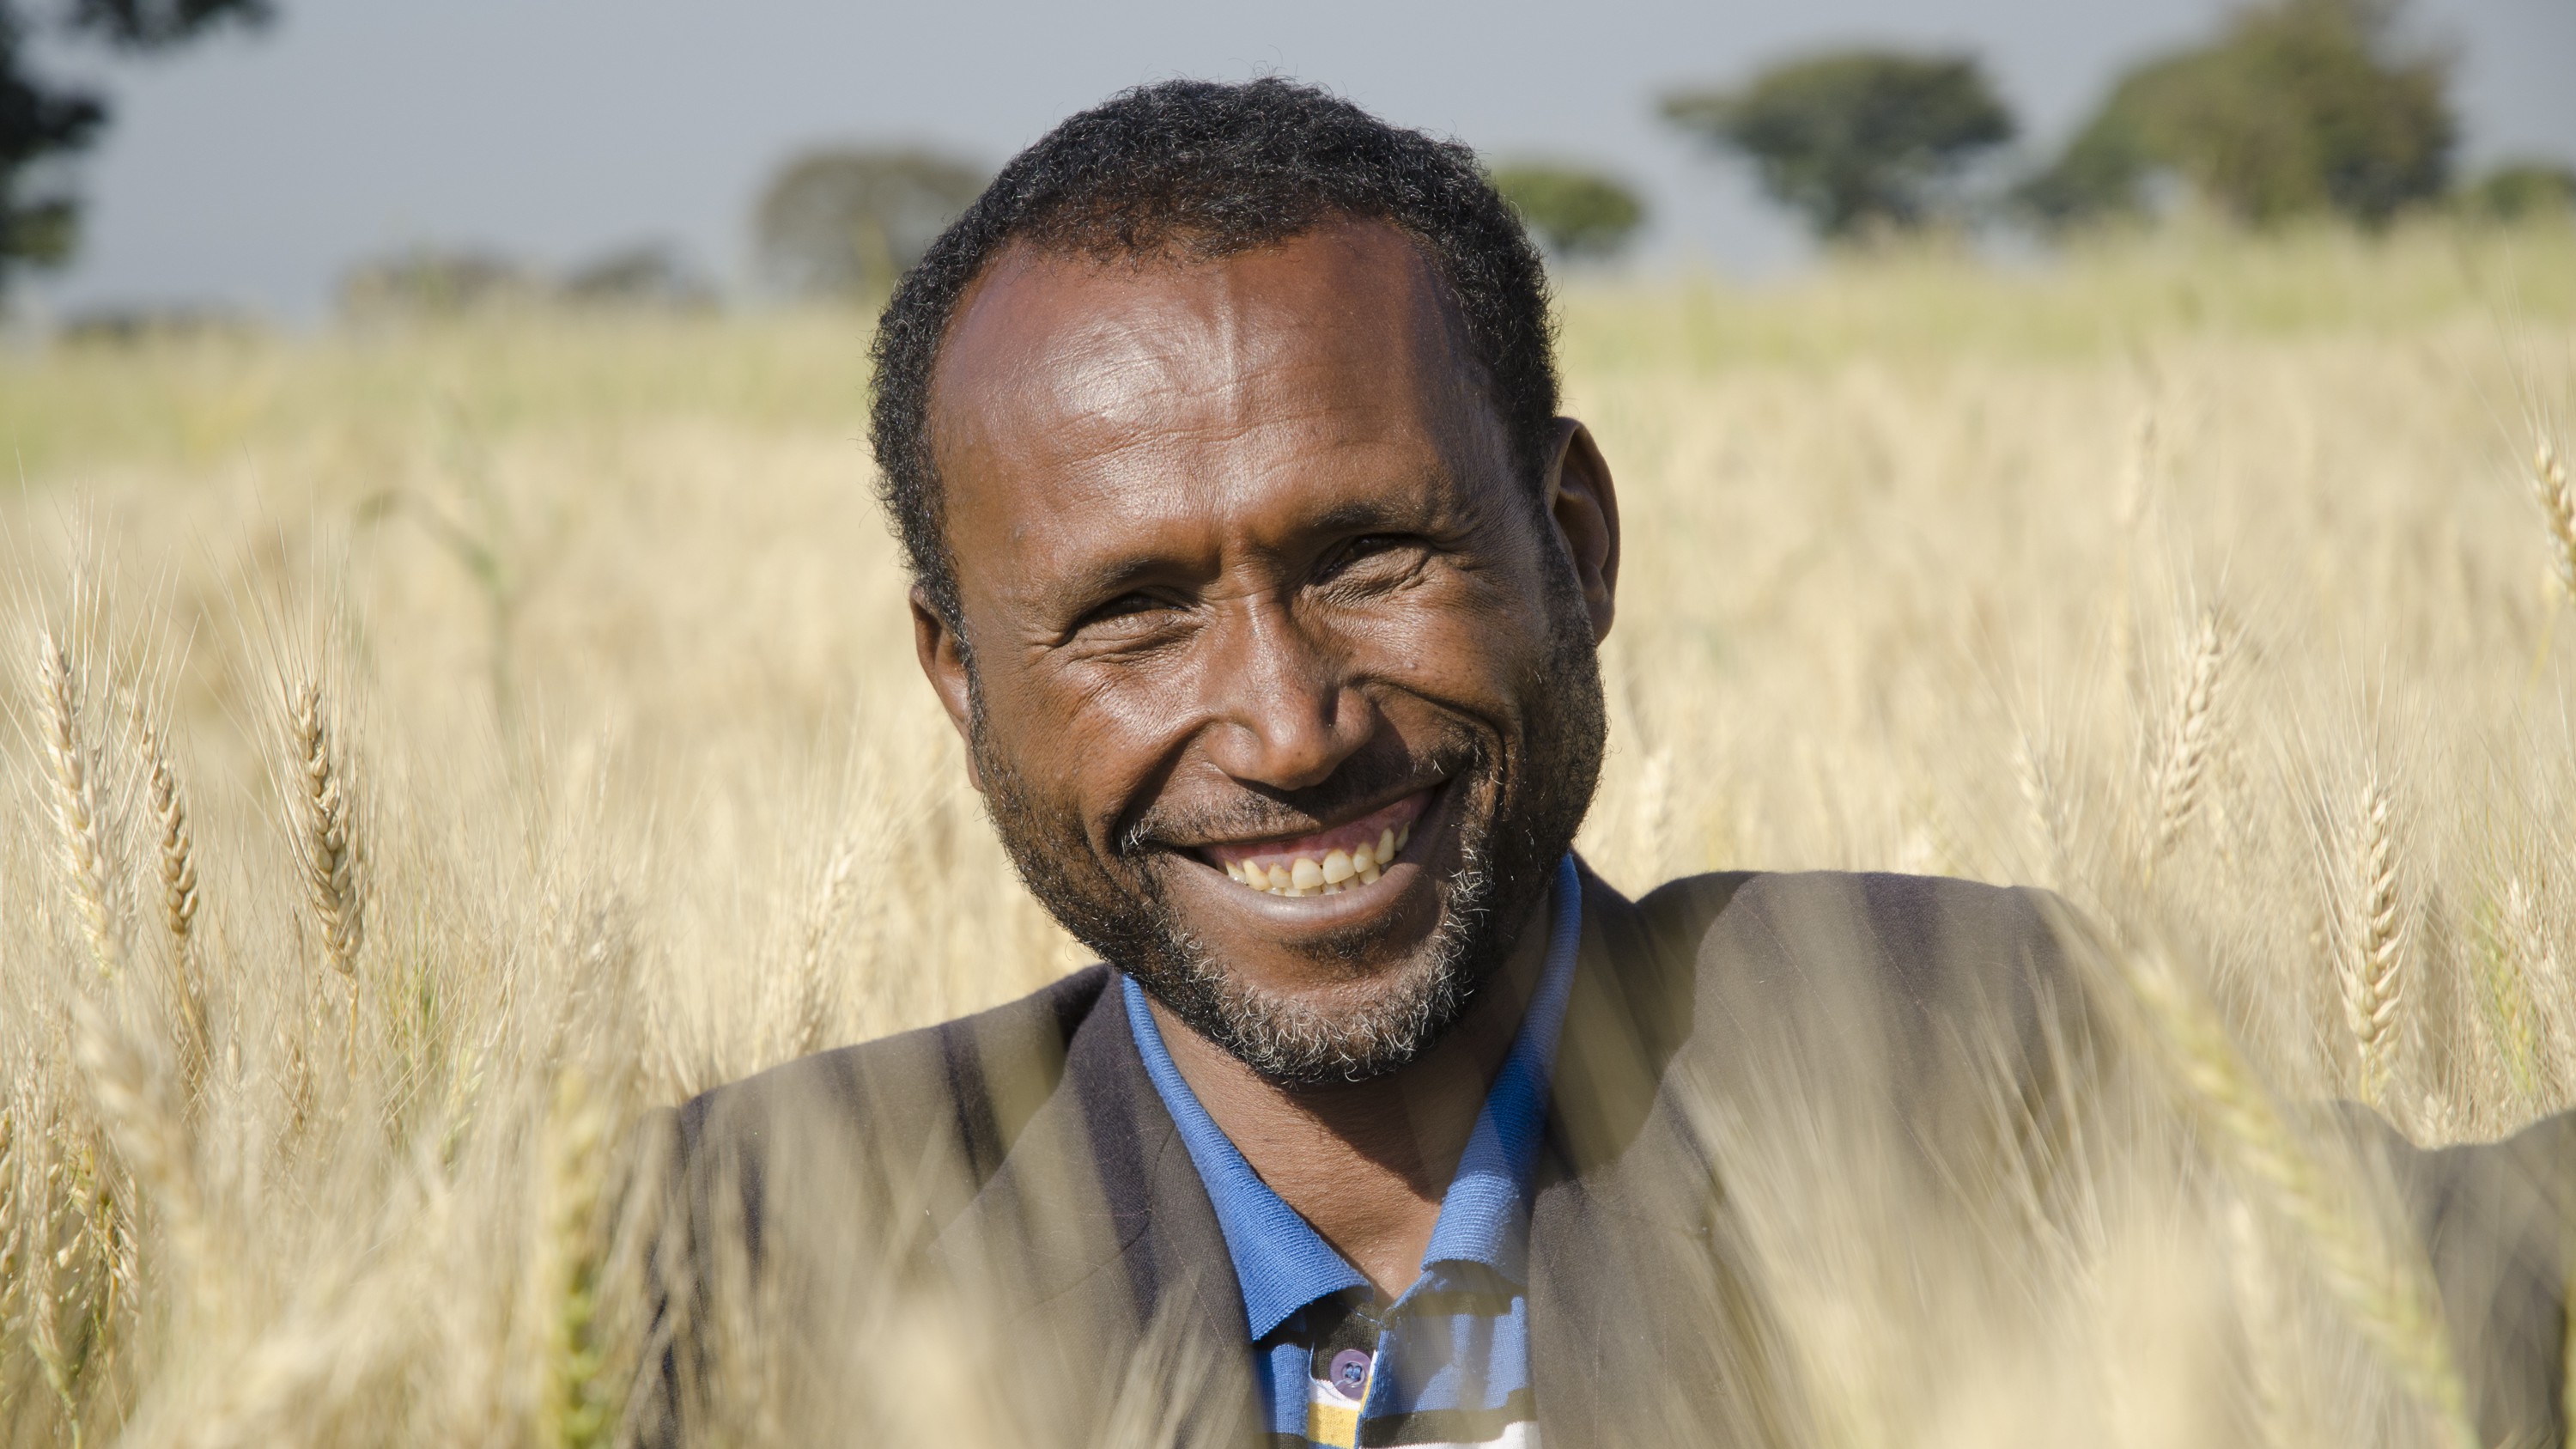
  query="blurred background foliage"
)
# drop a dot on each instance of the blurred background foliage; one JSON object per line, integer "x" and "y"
{"x": 843, "y": 222}
{"x": 45, "y": 121}
{"x": 1576, "y": 214}
{"x": 2289, "y": 112}
{"x": 2297, "y": 108}
{"x": 1855, "y": 140}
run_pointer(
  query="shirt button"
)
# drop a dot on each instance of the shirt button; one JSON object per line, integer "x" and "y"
{"x": 1350, "y": 1371}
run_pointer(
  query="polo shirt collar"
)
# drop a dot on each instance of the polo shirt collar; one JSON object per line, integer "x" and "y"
{"x": 1280, "y": 1261}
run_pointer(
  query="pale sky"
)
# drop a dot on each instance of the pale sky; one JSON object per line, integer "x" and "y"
{"x": 248, "y": 172}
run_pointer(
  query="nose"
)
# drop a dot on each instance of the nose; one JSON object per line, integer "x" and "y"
{"x": 1280, "y": 709}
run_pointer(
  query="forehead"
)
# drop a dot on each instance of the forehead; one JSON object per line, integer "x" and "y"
{"x": 1067, "y": 383}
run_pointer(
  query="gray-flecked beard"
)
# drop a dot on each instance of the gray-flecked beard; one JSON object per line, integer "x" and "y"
{"x": 1511, "y": 835}
{"x": 1301, "y": 1041}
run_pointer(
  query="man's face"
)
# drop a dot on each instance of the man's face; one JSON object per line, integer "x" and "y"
{"x": 1282, "y": 688}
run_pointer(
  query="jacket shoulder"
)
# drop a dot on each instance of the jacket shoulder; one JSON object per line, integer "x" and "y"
{"x": 836, "y": 1169}
{"x": 1922, "y": 995}
{"x": 1930, "y": 941}
{"x": 944, "y": 1100}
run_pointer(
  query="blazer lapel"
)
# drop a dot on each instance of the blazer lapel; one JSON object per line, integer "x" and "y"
{"x": 1644, "y": 1327}
{"x": 1096, "y": 1241}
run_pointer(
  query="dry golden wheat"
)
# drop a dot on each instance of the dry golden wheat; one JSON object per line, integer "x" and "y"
{"x": 2384, "y": 1285}
{"x": 2557, "y": 508}
{"x": 79, "y": 814}
{"x": 2372, "y": 967}
{"x": 325, "y": 837}
{"x": 2185, "y": 757}
{"x": 1900, "y": 541}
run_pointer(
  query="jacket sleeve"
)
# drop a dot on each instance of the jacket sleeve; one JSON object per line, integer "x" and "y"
{"x": 2494, "y": 1221}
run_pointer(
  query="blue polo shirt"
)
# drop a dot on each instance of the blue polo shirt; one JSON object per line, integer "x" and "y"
{"x": 1448, "y": 1361}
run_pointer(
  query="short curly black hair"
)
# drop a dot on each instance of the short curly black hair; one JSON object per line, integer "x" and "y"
{"x": 1203, "y": 169}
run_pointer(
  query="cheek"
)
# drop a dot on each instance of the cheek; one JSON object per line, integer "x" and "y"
{"x": 1084, "y": 747}
{"x": 1461, "y": 641}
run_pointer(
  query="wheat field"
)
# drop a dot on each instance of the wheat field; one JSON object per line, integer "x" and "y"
{"x": 435, "y": 747}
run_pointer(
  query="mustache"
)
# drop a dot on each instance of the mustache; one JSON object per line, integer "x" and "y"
{"x": 1366, "y": 780}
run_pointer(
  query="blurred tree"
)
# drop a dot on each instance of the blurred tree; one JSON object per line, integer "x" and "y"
{"x": 2521, "y": 191}
{"x": 435, "y": 282}
{"x": 1576, "y": 214}
{"x": 649, "y": 277}
{"x": 43, "y": 123}
{"x": 1856, "y": 139}
{"x": 846, "y": 221}
{"x": 2300, "y": 106}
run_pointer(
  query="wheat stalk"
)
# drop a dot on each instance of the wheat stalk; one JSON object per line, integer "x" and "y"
{"x": 2371, "y": 966}
{"x": 2187, "y": 744}
{"x": 79, "y": 814}
{"x": 2386, "y": 1291}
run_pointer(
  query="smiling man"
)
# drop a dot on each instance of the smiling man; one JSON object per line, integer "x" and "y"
{"x": 1263, "y": 579}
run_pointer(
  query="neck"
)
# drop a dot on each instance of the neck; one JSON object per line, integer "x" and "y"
{"x": 1367, "y": 1163}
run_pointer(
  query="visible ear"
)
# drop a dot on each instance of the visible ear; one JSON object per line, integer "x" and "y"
{"x": 943, "y": 663}
{"x": 1584, "y": 506}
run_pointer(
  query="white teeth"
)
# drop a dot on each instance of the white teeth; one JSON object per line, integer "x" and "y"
{"x": 1339, "y": 870}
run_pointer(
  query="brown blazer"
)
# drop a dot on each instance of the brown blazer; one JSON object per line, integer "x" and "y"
{"x": 1746, "y": 1058}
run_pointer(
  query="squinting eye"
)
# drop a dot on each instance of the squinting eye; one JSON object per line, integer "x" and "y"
{"x": 1125, "y": 610}
{"x": 1371, "y": 556}
{"x": 1366, "y": 546}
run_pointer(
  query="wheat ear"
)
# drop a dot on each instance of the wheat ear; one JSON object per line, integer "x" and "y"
{"x": 2542, "y": 971}
{"x": 80, "y": 823}
{"x": 325, "y": 838}
{"x": 2047, "y": 810}
{"x": 326, "y": 845}
{"x": 579, "y": 1406}
{"x": 2370, "y": 970}
{"x": 810, "y": 1014}
{"x": 149, "y": 1130}
{"x": 2387, "y": 1291}
{"x": 2258, "y": 1303}
{"x": 176, "y": 845}
{"x": 2557, "y": 507}
{"x": 2187, "y": 745}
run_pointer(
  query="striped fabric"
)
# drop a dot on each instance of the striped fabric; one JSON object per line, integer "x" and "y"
{"x": 1448, "y": 1361}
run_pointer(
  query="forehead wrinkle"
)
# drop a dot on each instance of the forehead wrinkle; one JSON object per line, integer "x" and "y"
{"x": 1199, "y": 382}
{"x": 1210, "y": 340}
